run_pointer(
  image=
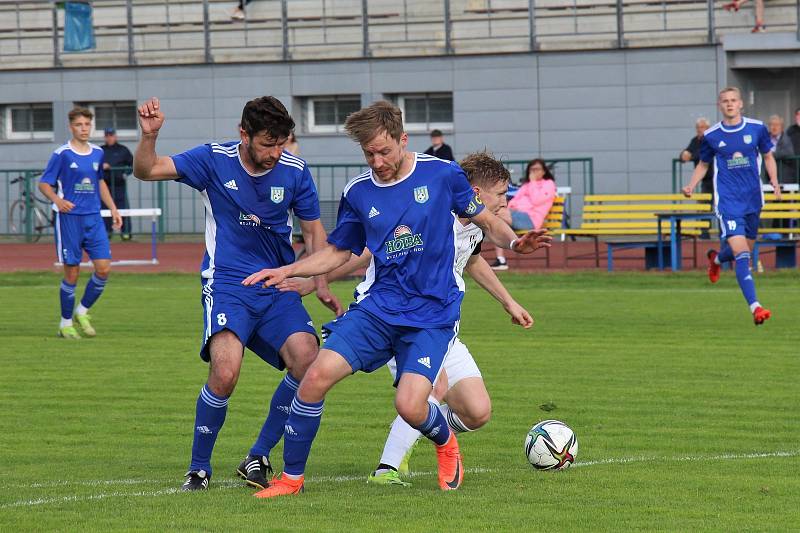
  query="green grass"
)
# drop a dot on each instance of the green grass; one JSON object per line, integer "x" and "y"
{"x": 670, "y": 388}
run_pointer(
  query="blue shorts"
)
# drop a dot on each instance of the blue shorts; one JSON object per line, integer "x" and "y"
{"x": 520, "y": 220}
{"x": 745, "y": 225}
{"x": 262, "y": 318}
{"x": 76, "y": 233}
{"x": 368, "y": 343}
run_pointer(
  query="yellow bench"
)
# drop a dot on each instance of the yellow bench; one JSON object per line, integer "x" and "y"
{"x": 787, "y": 210}
{"x": 631, "y": 221}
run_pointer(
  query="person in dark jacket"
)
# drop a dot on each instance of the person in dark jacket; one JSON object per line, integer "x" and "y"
{"x": 438, "y": 148}
{"x": 115, "y": 156}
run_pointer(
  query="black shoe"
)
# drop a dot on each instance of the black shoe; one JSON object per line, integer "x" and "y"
{"x": 499, "y": 265}
{"x": 196, "y": 480}
{"x": 255, "y": 471}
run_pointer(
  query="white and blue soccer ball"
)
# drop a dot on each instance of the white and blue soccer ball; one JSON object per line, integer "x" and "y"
{"x": 551, "y": 445}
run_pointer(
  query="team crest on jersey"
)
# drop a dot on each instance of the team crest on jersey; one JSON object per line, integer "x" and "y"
{"x": 276, "y": 194}
{"x": 748, "y": 139}
{"x": 96, "y": 166}
{"x": 404, "y": 239}
{"x": 421, "y": 194}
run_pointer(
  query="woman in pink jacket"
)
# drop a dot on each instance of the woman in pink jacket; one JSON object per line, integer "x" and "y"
{"x": 529, "y": 207}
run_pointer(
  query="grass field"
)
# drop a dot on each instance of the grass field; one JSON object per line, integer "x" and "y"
{"x": 688, "y": 416}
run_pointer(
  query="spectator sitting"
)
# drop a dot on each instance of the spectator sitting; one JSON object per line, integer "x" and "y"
{"x": 529, "y": 207}
{"x": 759, "y": 27}
{"x": 783, "y": 149}
{"x": 438, "y": 148}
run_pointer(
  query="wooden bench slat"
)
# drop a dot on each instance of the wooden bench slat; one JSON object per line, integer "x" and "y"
{"x": 655, "y": 208}
{"x": 645, "y": 197}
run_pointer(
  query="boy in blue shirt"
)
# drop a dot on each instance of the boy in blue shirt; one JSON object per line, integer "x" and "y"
{"x": 736, "y": 147}
{"x": 403, "y": 210}
{"x": 76, "y": 170}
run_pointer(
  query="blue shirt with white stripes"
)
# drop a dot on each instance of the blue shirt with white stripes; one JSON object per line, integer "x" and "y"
{"x": 77, "y": 177}
{"x": 248, "y": 216}
{"x": 736, "y": 155}
{"x": 409, "y": 226}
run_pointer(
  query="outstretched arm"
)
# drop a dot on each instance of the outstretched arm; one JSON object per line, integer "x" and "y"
{"x": 147, "y": 165}
{"x": 314, "y": 234}
{"x": 321, "y": 262}
{"x": 304, "y": 286}
{"x": 483, "y": 274}
{"x": 503, "y": 236}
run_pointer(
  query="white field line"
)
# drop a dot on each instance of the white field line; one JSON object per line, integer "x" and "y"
{"x": 234, "y": 484}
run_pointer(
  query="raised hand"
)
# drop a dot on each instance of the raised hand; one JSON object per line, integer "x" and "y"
{"x": 150, "y": 116}
{"x": 532, "y": 241}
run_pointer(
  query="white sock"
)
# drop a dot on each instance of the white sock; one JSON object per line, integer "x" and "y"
{"x": 65, "y": 322}
{"x": 453, "y": 420}
{"x": 401, "y": 438}
{"x": 753, "y": 306}
{"x": 81, "y": 310}
{"x": 716, "y": 260}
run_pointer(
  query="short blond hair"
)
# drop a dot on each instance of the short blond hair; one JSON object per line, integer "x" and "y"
{"x": 80, "y": 112}
{"x": 367, "y": 123}
{"x": 730, "y": 90}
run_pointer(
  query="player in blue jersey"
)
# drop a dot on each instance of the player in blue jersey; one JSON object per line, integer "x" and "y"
{"x": 403, "y": 210}
{"x": 75, "y": 170}
{"x": 736, "y": 147}
{"x": 250, "y": 189}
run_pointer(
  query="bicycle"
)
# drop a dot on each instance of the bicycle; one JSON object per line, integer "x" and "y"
{"x": 26, "y": 208}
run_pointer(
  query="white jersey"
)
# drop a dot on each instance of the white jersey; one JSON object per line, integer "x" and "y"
{"x": 467, "y": 239}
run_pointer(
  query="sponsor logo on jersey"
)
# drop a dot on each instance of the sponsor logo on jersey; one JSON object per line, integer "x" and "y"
{"x": 738, "y": 161}
{"x": 373, "y": 212}
{"x": 404, "y": 239}
{"x": 421, "y": 194}
{"x": 231, "y": 185}
{"x": 85, "y": 185}
{"x": 249, "y": 220}
{"x": 425, "y": 361}
{"x": 276, "y": 194}
{"x": 748, "y": 139}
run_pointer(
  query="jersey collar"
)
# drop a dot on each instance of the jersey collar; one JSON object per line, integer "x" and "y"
{"x": 732, "y": 129}
{"x": 392, "y": 184}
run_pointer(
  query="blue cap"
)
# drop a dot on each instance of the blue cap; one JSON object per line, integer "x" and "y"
{"x": 109, "y": 131}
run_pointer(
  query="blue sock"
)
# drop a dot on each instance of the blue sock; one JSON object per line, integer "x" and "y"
{"x": 725, "y": 254}
{"x": 273, "y": 428}
{"x": 93, "y": 290}
{"x": 299, "y": 432}
{"x": 67, "y": 295}
{"x": 744, "y": 277}
{"x": 208, "y": 420}
{"x": 435, "y": 426}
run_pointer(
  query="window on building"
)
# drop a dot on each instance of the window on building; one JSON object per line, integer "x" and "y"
{"x": 326, "y": 114}
{"x": 28, "y": 121}
{"x": 426, "y": 111}
{"x": 118, "y": 115}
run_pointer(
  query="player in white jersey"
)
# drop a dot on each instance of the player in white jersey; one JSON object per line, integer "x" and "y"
{"x": 467, "y": 405}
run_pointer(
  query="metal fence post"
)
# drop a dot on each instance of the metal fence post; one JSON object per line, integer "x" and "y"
{"x": 285, "y": 29}
{"x": 365, "y": 52}
{"x": 29, "y": 203}
{"x": 620, "y": 26}
{"x": 711, "y": 22}
{"x": 163, "y": 206}
{"x": 206, "y": 33}
{"x": 129, "y": 17}
{"x": 532, "y": 24}
{"x": 56, "y": 54}
{"x": 448, "y": 29}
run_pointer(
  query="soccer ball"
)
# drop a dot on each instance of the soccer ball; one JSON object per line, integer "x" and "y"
{"x": 551, "y": 445}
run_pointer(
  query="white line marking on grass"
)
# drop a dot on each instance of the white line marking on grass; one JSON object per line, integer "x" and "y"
{"x": 234, "y": 484}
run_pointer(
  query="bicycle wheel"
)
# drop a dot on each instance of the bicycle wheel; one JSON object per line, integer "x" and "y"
{"x": 40, "y": 223}
{"x": 16, "y": 218}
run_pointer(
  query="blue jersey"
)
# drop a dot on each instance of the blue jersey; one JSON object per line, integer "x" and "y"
{"x": 408, "y": 226}
{"x": 736, "y": 155}
{"x": 77, "y": 177}
{"x": 248, "y": 216}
